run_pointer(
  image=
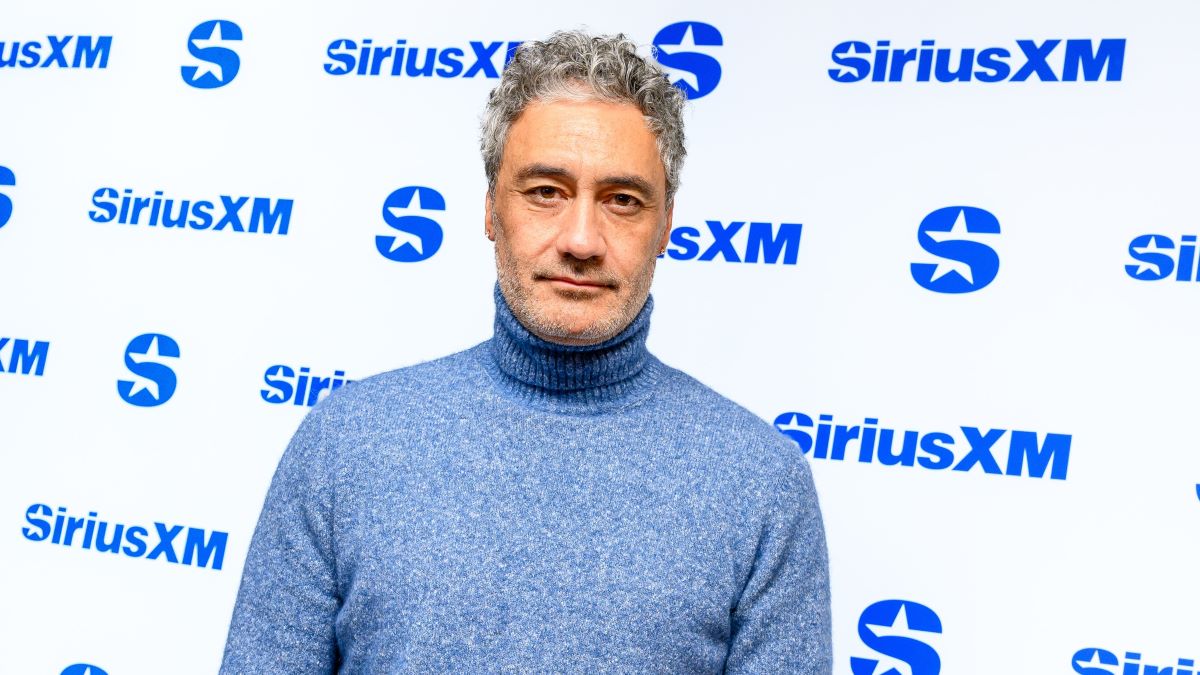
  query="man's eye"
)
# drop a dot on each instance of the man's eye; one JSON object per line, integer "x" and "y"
{"x": 625, "y": 200}
{"x": 545, "y": 192}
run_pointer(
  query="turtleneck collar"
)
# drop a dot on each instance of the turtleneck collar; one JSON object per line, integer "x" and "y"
{"x": 591, "y": 378}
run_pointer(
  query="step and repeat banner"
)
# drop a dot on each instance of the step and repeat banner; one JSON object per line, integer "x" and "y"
{"x": 950, "y": 250}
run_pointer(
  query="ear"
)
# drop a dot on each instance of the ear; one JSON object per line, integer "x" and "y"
{"x": 666, "y": 235}
{"x": 488, "y": 227}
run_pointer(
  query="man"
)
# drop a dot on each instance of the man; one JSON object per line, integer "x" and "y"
{"x": 554, "y": 499}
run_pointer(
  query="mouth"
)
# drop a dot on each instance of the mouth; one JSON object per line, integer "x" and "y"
{"x": 577, "y": 283}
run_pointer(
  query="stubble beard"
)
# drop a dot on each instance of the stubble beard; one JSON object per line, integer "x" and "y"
{"x": 516, "y": 285}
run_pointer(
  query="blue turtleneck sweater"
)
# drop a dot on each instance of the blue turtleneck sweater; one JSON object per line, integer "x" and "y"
{"x": 523, "y": 506}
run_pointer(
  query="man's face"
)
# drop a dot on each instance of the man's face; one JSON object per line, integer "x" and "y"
{"x": 578, "y": 216}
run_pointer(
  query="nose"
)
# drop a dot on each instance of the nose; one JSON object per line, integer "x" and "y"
{"x": 580, "y": 235}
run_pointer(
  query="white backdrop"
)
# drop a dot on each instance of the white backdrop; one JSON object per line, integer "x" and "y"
{"x": 1093, "y": 573}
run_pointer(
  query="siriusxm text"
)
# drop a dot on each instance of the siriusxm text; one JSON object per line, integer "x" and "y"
{"x": 936, "y": 450}
{"x": 399, "y": 58}
{"x": 199, "y": 547}
{"x": 737, "y": 242}
{"x": 268, "y": 216}
{"x": 58, "y": 51}
{"x": 1157, "y": 258}
{"x": 299, "y": 386}
{"x": 1095, "y": 661}
{"x": 25, "y": 357}
{"x": 1044, "y": 61}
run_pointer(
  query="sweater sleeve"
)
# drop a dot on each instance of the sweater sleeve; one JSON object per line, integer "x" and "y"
{"x": 781, "y": 623}
{"x": 283, "y": 621}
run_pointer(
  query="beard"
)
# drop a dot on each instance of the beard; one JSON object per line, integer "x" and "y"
{"x": 571, "y": 317}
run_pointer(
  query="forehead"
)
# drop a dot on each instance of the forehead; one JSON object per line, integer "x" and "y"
{"x": 583, "y": 136}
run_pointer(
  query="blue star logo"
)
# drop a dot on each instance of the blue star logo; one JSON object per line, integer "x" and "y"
{"x": 83, "y": 669}
{"x": 417, "y": 237}
{"x": 686, "y": 50}
{"x": 153, "y": 381}
{"x": 218, "y": 62}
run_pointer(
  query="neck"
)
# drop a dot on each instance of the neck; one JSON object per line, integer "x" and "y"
{"x": 576, "y": 378}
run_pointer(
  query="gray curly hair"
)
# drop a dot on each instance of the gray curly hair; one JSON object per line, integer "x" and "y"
{"x": 573, "y": 65}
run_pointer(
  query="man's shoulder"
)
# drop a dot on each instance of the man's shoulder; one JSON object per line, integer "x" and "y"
{"x": 416, "y": 385}
{"x": 727, "y": 422}
{"x": 756, "y": 464}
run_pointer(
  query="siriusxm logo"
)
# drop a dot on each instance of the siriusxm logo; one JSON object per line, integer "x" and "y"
{"x": 1094, "y": 661}
{"x": 154, "y": 381}
{"x": 67, "y": 51}
{"x": 966, "y": 264}
{"x": 418, "y": 237}
{"x": 83, "y": 669}
{"x": 898, "y": 630}
{"x": 685, "y": 50}
{"x": 6, "y": 179}
{"x": 200, "y": 548}
{"x": 299, "y": 386}
{"x": 209, "y": 44}
{"x": 856, "y": 61}
{"x": 268, "y": 216}
{"x": 485, "y": 59}
{"x": 736, "y": 242}
{"x": 932, "y": 450}
{"x": 1156, "y": 258}
{"x": 24, "y": 357}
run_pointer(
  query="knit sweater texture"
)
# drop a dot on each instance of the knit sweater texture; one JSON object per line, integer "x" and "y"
{"x": 528, "y": 507}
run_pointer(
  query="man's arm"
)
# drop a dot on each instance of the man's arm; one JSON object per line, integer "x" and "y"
{"x": 283, "y": 620}
{"x": 781, "y": 622}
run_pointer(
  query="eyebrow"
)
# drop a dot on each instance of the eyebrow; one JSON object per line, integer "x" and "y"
{"x": 631, "y": 181}
{"x": 543, "y": 171}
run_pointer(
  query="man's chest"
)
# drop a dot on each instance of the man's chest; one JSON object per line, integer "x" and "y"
{"x": 560, "y": 562}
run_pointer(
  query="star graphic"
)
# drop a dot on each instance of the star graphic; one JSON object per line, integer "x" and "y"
{"x": 1094, "y": 662}
{"x": 687, "y": 43}
{"x": 790, "y": 425}
{"x": 958, "y": 231}
{"x": 1151, "y": 248}
{"x": 141, "y": 383}
{"x": 214, "y": 39}
{"x": 899, "y": 626}
{"x": 403, "y": 237}
{"x": 843, "y": 70}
